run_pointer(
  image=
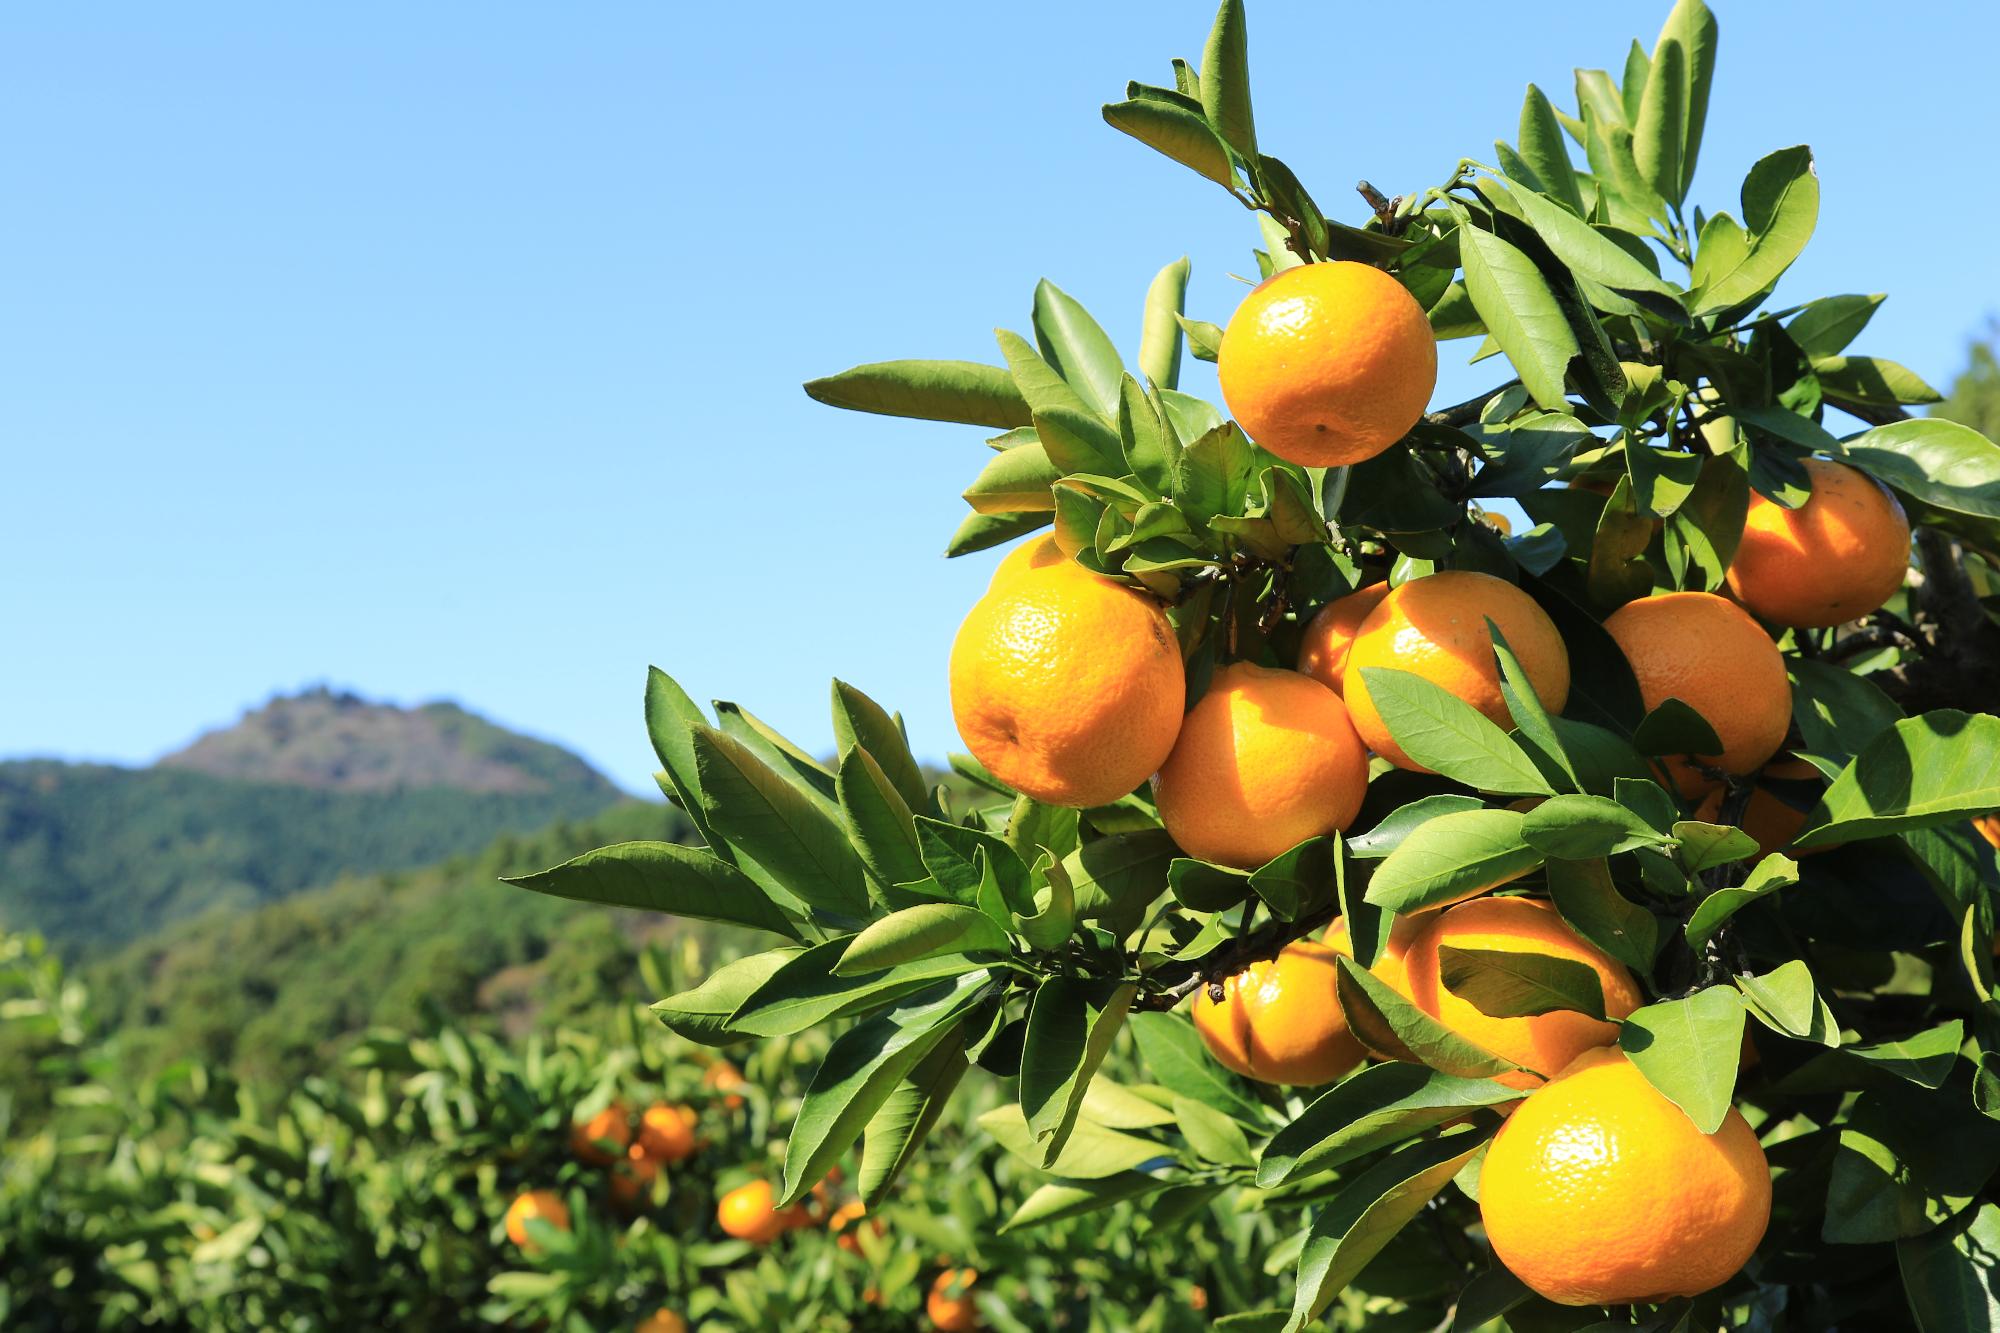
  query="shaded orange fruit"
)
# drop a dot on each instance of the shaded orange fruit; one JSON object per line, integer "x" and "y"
{"x": 1599, "y": 1191}
{"x": 1266, "y": 760}
{"x": 725, "y": 1077}
{"x": 1391, "y": 965}
{"x": 845, "y": 1224}
{"x": 1706, "y": 652}
{"x": 1036, "y": 553}
{"x": 1838, "y": 556}
{"x": 1544, "y": 1042}
{"x": 949, "y": 1304}
{"x": 632, "y": 1178}
{"x": 1330, "y": 633}
{"x": 1328, "y": 364}
{"x": 666, "y": 1133}
{"x": 1435, "y": 627}
{"x": 1068, "y": 687}
{"x": 749, "y": 1212}
{"x": 1988, "y": 827}
{"x": 543, "y": 1205}
{"x": 1767, "y": 817}
{"x": 603, "y": 1138}
{"x": 1279, "y": 1020}
{"x": 662, "y": 1321}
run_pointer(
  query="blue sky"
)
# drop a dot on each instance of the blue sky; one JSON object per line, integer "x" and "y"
{"x": 453, "y": 350}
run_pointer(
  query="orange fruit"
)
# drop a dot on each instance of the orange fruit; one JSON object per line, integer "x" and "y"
{"x": 1836, "y": 557}
{"x": 1036, "y": 553}
{"x": 1435, "y": 627}
{"x": 950, "y": 1301}
{"x": 662, "y": 1321}
{"x": 725, "y": 1078}
{"x": 1704, "y": 651}
{"x": 1068, "y": 687}
{"x": 849, "y": 1214}
{"x": 1330, "y": 633}
{"x": 1328, "y": 364}
{"x": 1988, "y": 827}
{"x": 1600, "y": 1191}
{"x": 666, "y": 1133}
{"x": 1279, "y": 1020}
{"x": 1265, "y": 761}
{"x": 602, "y": 1139}
{"x": 1545, "y": 1042}
{"x": 633, "y": 1178}
{"x": 1766, "y": 816}
{"x": 748, "y": 1213}
{"x": 530, "y": 1205}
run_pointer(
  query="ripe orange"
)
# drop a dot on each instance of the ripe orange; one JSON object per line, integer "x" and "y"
{"x": 666, "y": 1133}
{"x": 602, "y": 1139}
{"x": 747, "y": 1213}
{"x": 847, "y": 1215}
{"x": 1766, "y": 816}
{"x": 1068, "y": 687}
{"x": 1599, "y": 1191}
{"x": 1391, "y": 966}
{"x": 1265, "y": 761}
{"x": 532, "y": 1204}
{"x": 1435, "y": 627}
{"x": 1279, "y": 1020}
{"x": 1988, "y": 827}
{"x": 633, "y": 1178}
{"x": 1036, "y": 553}
{"x": 950, "y": 1301}
{"x": 1328, "y": 364}
{"x": 1838, "y": 556}
{"x": 1704, "y": 651}
{"x": 662, "y": 1321}
{"x": 1330, "y": 633}
{"x": 1545, "y": 1042}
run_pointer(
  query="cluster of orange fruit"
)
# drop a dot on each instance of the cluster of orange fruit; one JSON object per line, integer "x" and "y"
{"x": 1070, "y": 688}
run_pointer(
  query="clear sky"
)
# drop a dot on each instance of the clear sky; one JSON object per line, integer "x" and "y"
{"x": 453, "y": 350}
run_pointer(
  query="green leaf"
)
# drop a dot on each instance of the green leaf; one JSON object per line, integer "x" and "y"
{"x": 1871, "y": 379}
{"x": 1769, "y": 875}
{"x": 1662, "y": 479}
{"x": 1372, "y": 1108}
{"x": 1178, "y": 133}
{"x": 1076, "y": 348}
{"x": 1837, "y": 712}
{"x": 1942, "y": 766}
{"x": 1943, "y": 464}
{"x": 1296, "y": 881}
{"x": 1225, "y": 81}
{"x": 1060, "y": 1200}
{"x": 1368, "y": 1212}
{"x": 1780, "y": 207}
{"x": 952, "y": 855}
{"x": 1693, "y": 28}
{"x": 1444, "y": 733}
{"x": 1675, "y": 728}
{"x": 1826, "y": 326}
{"x": 1213, "y": 1136}
{"x": 862, "y": 1069}
{"x": 1577, "y": 828}
{"x": 961, "y": 391}
{"x": 1657, "y": 130}
{"x": 879, "y": 824}
{"x": 1204, "y": 340}
{"x": 1525, "y": 706}
{"x": 671, "y": 717}
{"x": 890, "y": 1140}
{"x": 1507, "y": 984}
{"x": 1688, "y": 1049}
{"x": 1014, "y": 482}
{"x": 927, "y": 930}
{"x": 1070, "y": 1027}
{"x": 859, "y": 721}
{"x": 1785, "y": 1000}
{"x": 1520, "y": 311}
{"x": 1092, "y": 1153}
{"x": 980, "y": 532}
{"x": 806, "y": 991}
{"x": 702, "y": 1014}
{"x": 1397, "y": 825}
{"x": 662, "y": 877}
{"x": 1452, "y": 857}
{"x": 1151, "y": 452}
{"x": 1586, "y": 897}
{"x": 1115, "y": 879}
{"x": 1543, "y": 149}
{"x": 1073, "y": 434}
{"x": 1173, "y": 1054}
{"x": 1160, "y": 330}
{"x": 1704, "y": 846}
{"x": 1949, "y": 1273}
{"x": 1385, "y": 1021}
{"x": 767, "y": 820}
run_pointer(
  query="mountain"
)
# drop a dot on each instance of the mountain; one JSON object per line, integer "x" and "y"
{"x": 295, "y": 794}
{"x": 276, "y": 991}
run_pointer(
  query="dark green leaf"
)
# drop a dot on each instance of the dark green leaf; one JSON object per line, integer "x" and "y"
{"x": 1587, "y": 898}
{"x": 859, "y": 720}
{"x": 702, "y": 1014}
{"x": 662, "y": 877}
{"x": 1871, "y": 379}
{"x": 1173, "y": 1054}
{"x": 878, "y": 823}
{"x": 1943, "y": 464}
{"x": 1826, "y": 326}
{"x": 980, "y": 532}
{"x": 1520, "y": 311}
{"x": 768, "y": 821}
{"x": 1385, "y": 1021}
{"x": 806, "y": 991}
{"x": 897, "y": 1129}
{"x": 1376, "y": 1106}
{"x": 1675, "y": 728}
{"x": 1070, "y": 1027}
{"x": 1942, "y": 766}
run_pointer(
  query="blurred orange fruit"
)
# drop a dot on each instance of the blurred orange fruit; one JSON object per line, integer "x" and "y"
{"x": 1328, "y": 364}
{"x": 662, "y": 1321}
{"x": 949, "y": 1304}
{"x": 1067, "y": 686}
{"x": 603, "y": 1138}
{"x": 1836, "y": 557}
{"x": 846, "y": 1216}
{"x": 666, "y": 1132}
{"x": 1435, "y": 627}
{"x": 633, "y": 1177}
{"x": 724, "y": 1077}
{"x": 748, "y": 1212}
{"x": 531, "y": 1205}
